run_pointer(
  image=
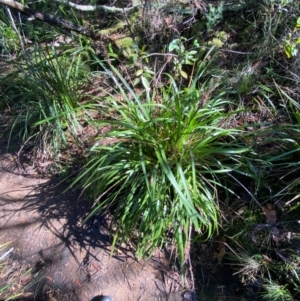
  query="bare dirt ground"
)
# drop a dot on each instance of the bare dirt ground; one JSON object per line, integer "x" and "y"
{"x": 70, "y": 261}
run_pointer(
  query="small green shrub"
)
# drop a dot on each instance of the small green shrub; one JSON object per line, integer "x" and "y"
{"x": 184, "y": 56}
{"x": 214, "y": 15}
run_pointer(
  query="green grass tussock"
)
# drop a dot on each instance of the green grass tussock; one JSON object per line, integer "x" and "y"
{"x": 160, "y": 163}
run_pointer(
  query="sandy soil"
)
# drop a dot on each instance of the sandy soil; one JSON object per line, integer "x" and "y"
{"x": 71, "y": 261}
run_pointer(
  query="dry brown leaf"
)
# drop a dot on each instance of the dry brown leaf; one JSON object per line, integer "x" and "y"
{"x": 49, "y": 278}
{"x": 219, "y": 255}
{"x": 77, "y": 282}
{"x": 25, "y": 279}
{"x": 242, "y": 210}
{"x": 278, "y": 235}
{"x": 221, "y": 249}
{"x": 270, "y": 213}
{"x": 266, "y": 258}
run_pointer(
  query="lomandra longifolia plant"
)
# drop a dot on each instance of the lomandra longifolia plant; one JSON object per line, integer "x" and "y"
{"x": 158, "y": 166}
{"x": 49, "y": 103}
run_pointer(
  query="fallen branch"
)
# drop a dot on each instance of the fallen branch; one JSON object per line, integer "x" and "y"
{"x": 48, "y": 18}
{"x": 104, "y": 8}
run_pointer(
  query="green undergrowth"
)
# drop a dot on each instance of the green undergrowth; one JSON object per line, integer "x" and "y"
{"x": 48, "y": 109}
{"x": 15, "y": 283}
{"x": 197, "y": 129}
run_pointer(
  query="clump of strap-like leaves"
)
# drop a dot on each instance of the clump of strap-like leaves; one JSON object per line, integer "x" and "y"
{"x": 158, "y": 166}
